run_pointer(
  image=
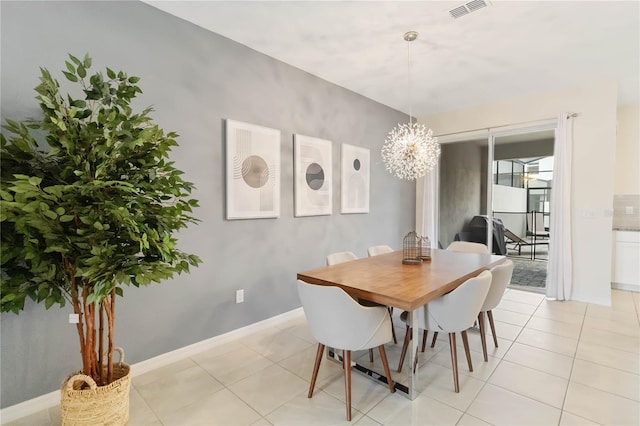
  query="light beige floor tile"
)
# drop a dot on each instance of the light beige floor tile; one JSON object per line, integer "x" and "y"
{"x": 534, "y": 384}
{"x": 398, "y": 410}
{"x": 55, "y": 414}
{"x": 261, "y": 422}
{"x": 558, "y": 314}
{"x": 517, "y": 307}
{"x": 303, "y": 332}
{"x": 41, "y": 418}
{"x": 177, "y": 390}
{"x": 503, "y": 330}
{"x": 481, "y": 370}
{"x": 612, "y": 340}
{"x": 276, "y": 344}
{"x": 569, "y": 306}
{"x": 436, "y": 382}
{"x": 569, "y": 419}
{"x": 302, "y": 366}
{"x": 614, "y": 326}
{"x": 560, "y": 328}
{"x": 163, "y": 372}
{"x": 365, "y": 392}
{"x": 607, "y": 312}
{"x": 550, "y": 342}
{"x": 233, "y": 366}
{"x": 540, "y": 359}
{"x": 601, "y": 407}
{"x": 467, "y": 420}
{"x": 293, "y": 321}
{"x": 367, "y": 421}
{"x": 524, "y": 297}
{"x": 322, "y": 409}
{"x": 606, "y": 379}
{"x": 139, "y": 411}
{"x": 499, "y": 406}
{"x": 269, "y": 388}
{"x": 610, "y": 357}
{"x": 510, "y": 317}
{"x": 622, "y": 300}
{"x": 220, "y": 408}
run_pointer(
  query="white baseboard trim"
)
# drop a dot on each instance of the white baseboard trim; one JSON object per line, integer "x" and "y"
{"x": 52, "y": 399}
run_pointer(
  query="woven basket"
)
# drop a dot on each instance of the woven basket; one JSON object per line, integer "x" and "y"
{"x": 98, "y": 405}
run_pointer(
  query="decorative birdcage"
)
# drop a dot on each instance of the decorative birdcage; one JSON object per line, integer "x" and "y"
{"x": 425, "y": 248}
{"x": 411, "y": 249}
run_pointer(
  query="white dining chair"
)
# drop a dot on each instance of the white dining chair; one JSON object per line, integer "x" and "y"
{"x": 376, "y": 251}
{"x": 452, "y": 313}
{"x": 468, "y": 247}
{"x": 340, "y": 257}
{"x": 501, "y": 279}
{"x": 463, "y": 247}
{"x": 338, "y": 321}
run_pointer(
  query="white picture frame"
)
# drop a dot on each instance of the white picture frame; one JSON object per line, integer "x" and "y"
{"x": 312, "y": 176}
{"x": 252, "y": 171}
{"x": 354, "y": 183}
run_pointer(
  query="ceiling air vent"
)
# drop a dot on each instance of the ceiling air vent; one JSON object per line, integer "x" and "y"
{"x": 467, "y": 8}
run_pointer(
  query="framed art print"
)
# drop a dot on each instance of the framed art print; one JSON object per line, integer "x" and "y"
{"x": 253, "y": 171}
{"x": 312, "y": 176}
{"x": 354, "y": 185}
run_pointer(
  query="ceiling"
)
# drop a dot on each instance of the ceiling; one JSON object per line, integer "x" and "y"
{"x": 505, "y": 50}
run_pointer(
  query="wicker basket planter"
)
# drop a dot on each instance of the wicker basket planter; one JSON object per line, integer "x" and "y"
{"x": 98, "y": 405}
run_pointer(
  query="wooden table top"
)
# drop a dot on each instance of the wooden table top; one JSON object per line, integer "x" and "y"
{"x": 384, "y": 279}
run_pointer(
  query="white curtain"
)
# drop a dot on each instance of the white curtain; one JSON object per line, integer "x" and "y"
{"x": 560, "y": 266}
{"x": 426, "y": 207}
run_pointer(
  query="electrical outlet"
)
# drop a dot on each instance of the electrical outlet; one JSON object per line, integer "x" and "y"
{"x": 74, "y": 318}
{"x": 628, "y": 210}
{"x": 239, "y": 296}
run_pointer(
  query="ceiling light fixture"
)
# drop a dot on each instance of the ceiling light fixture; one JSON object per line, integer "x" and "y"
{"x": 410, "y": 150}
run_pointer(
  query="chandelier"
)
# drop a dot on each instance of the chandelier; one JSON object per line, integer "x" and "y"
{"x": 410, "y": 150}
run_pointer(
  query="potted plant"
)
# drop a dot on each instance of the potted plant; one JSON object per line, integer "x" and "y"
{"x": 93, "y": 212}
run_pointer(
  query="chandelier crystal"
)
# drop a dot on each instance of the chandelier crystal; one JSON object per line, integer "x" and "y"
{"x": 410, "y": 150}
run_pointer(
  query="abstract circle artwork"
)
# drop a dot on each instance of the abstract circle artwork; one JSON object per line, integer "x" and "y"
{"x": 255, "y": 171}
{"x": 315, "y": 176}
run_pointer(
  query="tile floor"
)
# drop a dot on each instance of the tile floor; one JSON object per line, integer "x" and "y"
{"x": 558, "y": 363}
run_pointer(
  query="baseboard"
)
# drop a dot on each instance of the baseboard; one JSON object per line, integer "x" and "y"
{"x": 52, "y": 399}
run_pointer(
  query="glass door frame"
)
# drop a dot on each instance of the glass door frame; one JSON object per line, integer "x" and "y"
{"x": 490, "y": 134}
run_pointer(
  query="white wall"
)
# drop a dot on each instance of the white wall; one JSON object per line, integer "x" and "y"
{"x": 510, "y": 199}
{"x": 593, "y": 170}
{"x": 627, "y": 171}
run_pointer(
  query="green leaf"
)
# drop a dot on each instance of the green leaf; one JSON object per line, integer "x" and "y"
{"x": 134, "y": 80}
{"x": 35, "y": 181}
{"x": 75, "y": 60}
{"x": 6, "y": 195}
{"x": 66, "y": 218}
{"x": 119, "y": 291}
{"x": 70, "y": 77}
{"x": 87, "y": 61}
{"x": 49, "y": 302}
{"x": 81, "y": 71}
{"x": 110, "y": 73}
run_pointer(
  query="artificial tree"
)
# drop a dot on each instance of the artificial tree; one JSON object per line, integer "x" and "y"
{"x": 95, "y": 210}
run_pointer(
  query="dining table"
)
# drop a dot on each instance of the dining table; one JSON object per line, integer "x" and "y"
{"x": 387, "y": 281}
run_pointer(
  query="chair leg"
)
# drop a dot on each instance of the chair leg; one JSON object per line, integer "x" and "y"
{"x": 407, "y": 338}
{"x": 387, "y": 372}
{"x": 483, "y": 338}
{"x": 347, "y": 381}
{"x": 425, "y": 334}
{"x": 454, "y": 360}
{"x": 493, "y": 328}
{"x": 316, "y": 367}
{"x": 393, "y": 329}
{"x": 370, "y": 355}
{"x": 465, "y": 342}
{"x": 435, "y": 336}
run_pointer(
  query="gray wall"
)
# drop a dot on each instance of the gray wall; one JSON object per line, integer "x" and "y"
{"x": 461, "y": 164}
{"x": 195, "y": 79}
